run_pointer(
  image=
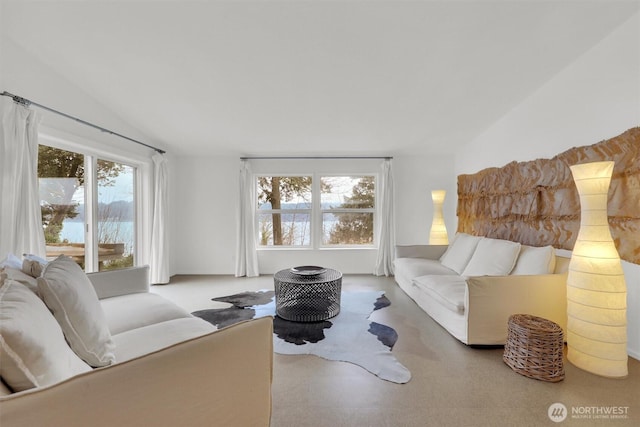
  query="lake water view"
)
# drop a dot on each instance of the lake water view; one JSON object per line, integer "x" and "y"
{"x": 116, "y": 232}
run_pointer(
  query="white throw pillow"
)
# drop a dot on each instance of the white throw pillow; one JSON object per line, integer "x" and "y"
{"x": 33, "y": 350}
{"x": 535, "y": 260}
{"x": 17, "y": 275}
{"x": 493, "y": 257}
{"x": 67, "y": 291}
{"x": 11, "y": 261}
{"x": 459, "y": 252}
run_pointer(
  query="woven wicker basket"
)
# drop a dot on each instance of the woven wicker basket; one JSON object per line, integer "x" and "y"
{"x": 534, "y": 348}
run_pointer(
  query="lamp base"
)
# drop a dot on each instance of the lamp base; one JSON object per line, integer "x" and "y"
{"x": 616, "y": 369}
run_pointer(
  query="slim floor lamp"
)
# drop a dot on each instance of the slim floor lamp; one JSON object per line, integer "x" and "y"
{"x": 438, "y": 233}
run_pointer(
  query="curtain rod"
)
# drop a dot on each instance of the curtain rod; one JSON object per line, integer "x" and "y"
{"x": 315, "y": 158}
{"x": 27, "y": 102}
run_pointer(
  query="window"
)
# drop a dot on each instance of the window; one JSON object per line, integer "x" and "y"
{"x": 97, "y": 232}
{"x": 348, "y": 205}
{"x": 293, "y": 210}
{"x": 284, "y": 210}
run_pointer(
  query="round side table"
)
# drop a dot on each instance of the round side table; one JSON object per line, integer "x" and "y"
{"x": 307, "y": 298}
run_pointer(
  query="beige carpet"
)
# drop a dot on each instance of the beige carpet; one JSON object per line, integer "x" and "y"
{"x": 451, "y": 385}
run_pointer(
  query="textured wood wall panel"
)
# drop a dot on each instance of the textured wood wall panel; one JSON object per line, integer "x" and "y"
{"x": 536, "y": 202}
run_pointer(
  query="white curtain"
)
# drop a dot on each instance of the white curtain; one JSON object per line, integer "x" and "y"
{"x": 386, "y": 223}
{"x": 246, "y": 255}
{"x": 159, "y": 263}
{"x": 20, "y": 217}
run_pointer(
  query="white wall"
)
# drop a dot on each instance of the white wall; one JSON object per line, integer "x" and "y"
{"x": 203, "y": 205}
{"x": 204, "y": 213}
{"x": 415, "y": 177}
{"x": 595, "y": 98}
{"x": 26, "y": 76}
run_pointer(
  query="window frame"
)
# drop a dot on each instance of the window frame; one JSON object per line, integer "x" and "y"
{"x": 281, "y": 211}
{"x": 316, "y": 238}
{"x": 373, "y": 211}
{"x": 141, "y": 180}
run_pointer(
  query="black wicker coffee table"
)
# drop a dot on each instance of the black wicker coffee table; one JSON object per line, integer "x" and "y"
{"x": 307, "y": 295}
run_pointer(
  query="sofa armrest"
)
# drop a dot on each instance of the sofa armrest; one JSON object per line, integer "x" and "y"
{"x": 490, "y": 300}
{"x": 114, "y": 283}
{"x": 222, "y": 378}
{"x": 420, "y": 251}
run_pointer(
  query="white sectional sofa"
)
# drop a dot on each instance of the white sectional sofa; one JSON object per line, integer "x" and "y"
{"x": 472, "y": 286}
{"x": 101, "y": 350}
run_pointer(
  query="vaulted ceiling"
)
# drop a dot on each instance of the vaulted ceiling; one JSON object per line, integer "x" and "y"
{"x": 340, "y": 77}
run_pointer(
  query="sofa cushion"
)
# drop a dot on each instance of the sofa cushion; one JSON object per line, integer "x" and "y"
{"x": 448, "y": 290}
{"x": 147, "y": 339}
{"x": 492, "y": 257}
{"x": 535, "y": 260}
{"x": 17, "y": 275}
{"x": 67, "y": 291}
{"x": 414, "y": 267}
{"x": 459, "y": 252}
{"x": 127, "y": 312}
{"x": 33, "y": 350}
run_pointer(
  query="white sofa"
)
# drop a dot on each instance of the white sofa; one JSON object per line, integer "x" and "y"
{"x": 472, "y": 286}
{"x": 162, "y": 366}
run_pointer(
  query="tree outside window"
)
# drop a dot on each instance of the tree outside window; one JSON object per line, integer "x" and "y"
{"x": 346, "y": 207}
{"x": 284, "y": 210}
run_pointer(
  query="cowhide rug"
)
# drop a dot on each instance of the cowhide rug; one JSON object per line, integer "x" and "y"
{"x": 349, "y": 337}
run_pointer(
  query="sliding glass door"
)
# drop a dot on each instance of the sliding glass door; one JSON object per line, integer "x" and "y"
{"x": 116, "y": 215}
{"x": 88, "y": 208}
{"x": 62, "y": 195}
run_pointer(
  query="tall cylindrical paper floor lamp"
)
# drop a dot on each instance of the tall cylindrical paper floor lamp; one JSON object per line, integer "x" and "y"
{"x": 438, "y": 233}
{"x": 596, "y": 289}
